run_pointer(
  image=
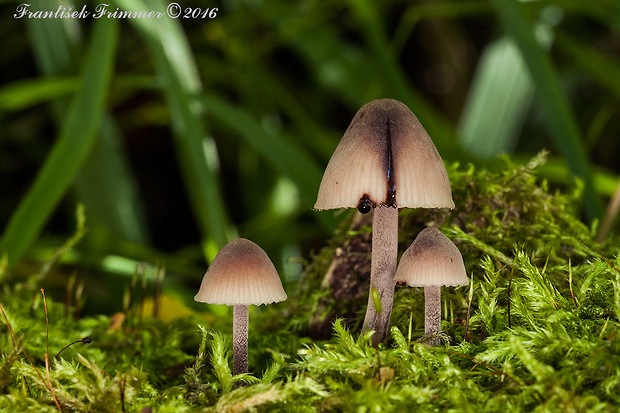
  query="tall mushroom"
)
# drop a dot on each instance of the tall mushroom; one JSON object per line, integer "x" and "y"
{"x": 431, "y": 261}
{"x": 241, "y": 274}
{"x": 384, "y": 161}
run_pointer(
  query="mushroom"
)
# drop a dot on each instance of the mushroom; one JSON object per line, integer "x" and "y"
{"x": 432, "y": 260}
{"x": 384, "y": 161}
{"x": 241, "y": 274}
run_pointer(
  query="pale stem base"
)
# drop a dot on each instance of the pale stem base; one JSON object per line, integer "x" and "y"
{"x": 432, "y": 313}
{"x": 382, "y": 270}
{"x": 241, "y": 317}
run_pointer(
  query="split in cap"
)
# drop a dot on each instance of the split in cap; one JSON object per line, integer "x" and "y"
{"x": 385, "y": 158}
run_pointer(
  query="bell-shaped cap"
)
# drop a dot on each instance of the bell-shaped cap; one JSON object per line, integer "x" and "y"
{"x": 241, "y": 273}
{"x": 384, "y": 152}
{"x": 431, "y": 260}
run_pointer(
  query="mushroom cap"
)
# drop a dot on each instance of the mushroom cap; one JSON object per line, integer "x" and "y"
{"x": 385, "y": 142}
{"x": 241, "y": 274}
{"x": 431, "y": 260}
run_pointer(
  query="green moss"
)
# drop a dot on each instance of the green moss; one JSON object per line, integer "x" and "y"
{"x": 542, "y": 333}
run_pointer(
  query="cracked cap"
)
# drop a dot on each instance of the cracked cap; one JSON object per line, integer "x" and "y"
{"x": 386, "y": 157}
{"x": 241, "y": 274}
{"x": 431, "y": 260}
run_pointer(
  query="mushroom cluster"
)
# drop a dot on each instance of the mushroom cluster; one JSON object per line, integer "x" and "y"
{"x": 384, "y": 161}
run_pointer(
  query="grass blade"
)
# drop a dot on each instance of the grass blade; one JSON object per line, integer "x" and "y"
{"x": 196, "y": 151}
{"x": 561, "y": 122}
{"x": 340, "y": 68}
{"x": 76, "y": 139}
{"x": 105, "y": 184}
{"x": 283, "y": 155}
{"x": 443, "y": 134}
{"x": 604, "y": 70}
{"x": 497, "y": 102}
{"x": 21, "y": 95}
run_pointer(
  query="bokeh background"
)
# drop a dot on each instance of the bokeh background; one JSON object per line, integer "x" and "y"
{"x": 178, "y": 135}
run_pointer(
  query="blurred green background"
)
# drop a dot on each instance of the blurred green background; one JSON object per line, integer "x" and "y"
{"x": 178, "y": 135}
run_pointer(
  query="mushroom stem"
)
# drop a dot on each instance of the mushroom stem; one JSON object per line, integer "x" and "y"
{"x": 382, "y": 269}
{"x": 432, "y": 313}
{"x": 241, "y": 316}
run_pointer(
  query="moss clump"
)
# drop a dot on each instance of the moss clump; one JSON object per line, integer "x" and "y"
{"x": 543, "y": 332}
{"x": 495, "y": 213}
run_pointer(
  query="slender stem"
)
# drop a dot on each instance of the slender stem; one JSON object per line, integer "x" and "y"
{"x": 382, "y": 270}
{"x": 241, "y": 316}
{"x": 432, "y": 313}
{"x": 610, "y": 215}
{"x": 85, "y": 340}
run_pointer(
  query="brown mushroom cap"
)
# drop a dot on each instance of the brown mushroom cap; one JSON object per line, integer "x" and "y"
{"x": 241, "y": 274}
{"x": 384, "y": 138}
{"x": 431, "y": 260}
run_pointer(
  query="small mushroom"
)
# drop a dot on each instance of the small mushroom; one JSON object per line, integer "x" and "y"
{"x": 384, "y": 161}
{"x": 241, "y": 274}
{"x": 432, "y": 260}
